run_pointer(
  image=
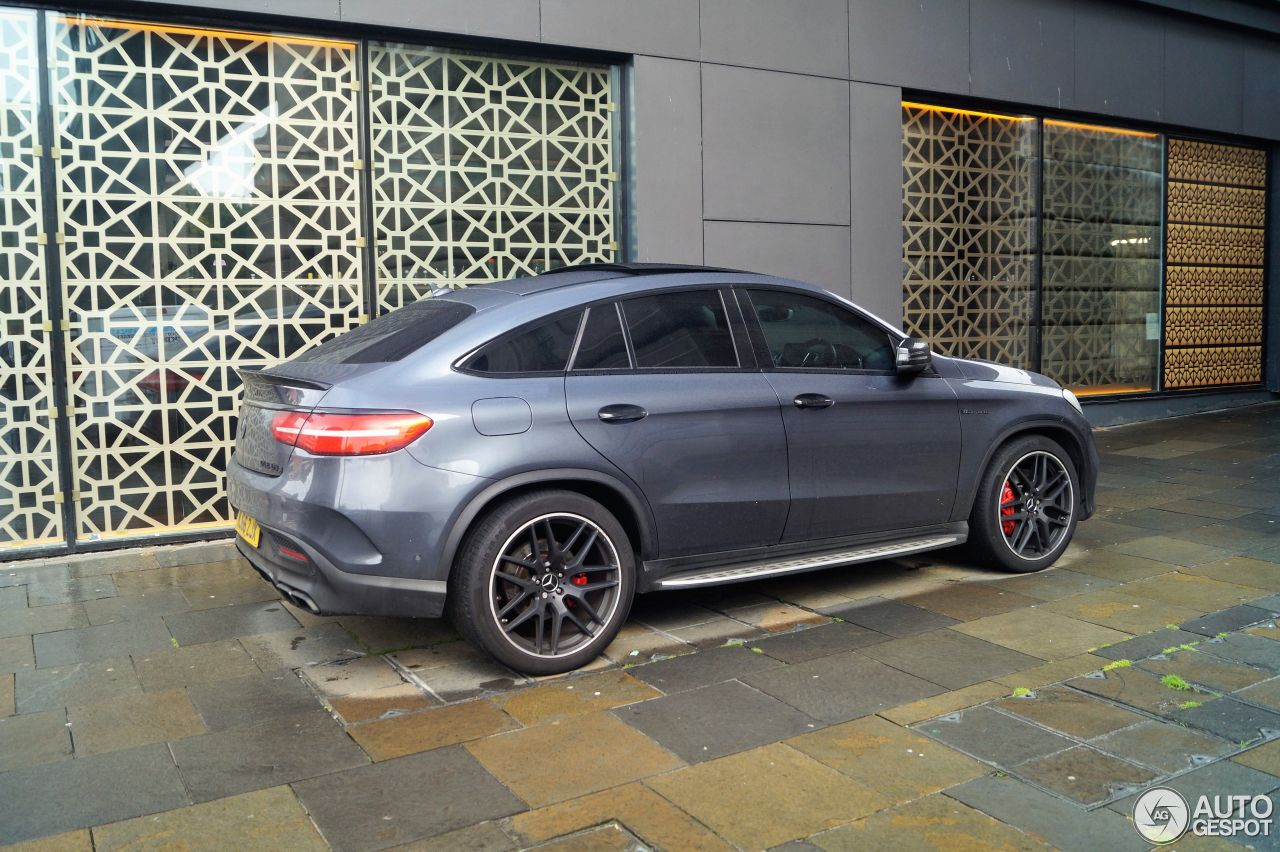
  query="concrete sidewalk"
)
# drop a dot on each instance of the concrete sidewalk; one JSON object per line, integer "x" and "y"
{"x": 168, "y": 697}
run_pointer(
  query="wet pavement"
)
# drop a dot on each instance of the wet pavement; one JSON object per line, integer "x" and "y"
{"x": 168, "y": 697}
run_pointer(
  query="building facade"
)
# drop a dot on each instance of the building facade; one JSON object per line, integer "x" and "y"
{"x": 1074, "y": 186}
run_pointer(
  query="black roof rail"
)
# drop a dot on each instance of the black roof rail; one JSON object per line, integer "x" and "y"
{"x": 637, "y": 268}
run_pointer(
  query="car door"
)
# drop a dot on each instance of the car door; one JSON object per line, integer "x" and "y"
{"x": 665, "y": 387}
{"x": 868, "y": 450}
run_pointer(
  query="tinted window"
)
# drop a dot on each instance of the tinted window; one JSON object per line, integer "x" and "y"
{"x": 392, "y": 336}
{"x": 683, "y": 329}
{"x": 543, "y": 348}
{"x": 602, "y": 346}
{"x": 804, "y": 331}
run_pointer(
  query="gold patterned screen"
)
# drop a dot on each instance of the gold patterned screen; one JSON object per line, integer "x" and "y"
{"x": 969, "y": 231}
{"x": 209, "y": 208}
{"x": 1214, "y": 264}
{"x": 485, "y": 168}
{"x": 30, "y": 513}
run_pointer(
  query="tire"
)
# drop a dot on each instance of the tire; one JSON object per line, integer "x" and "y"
{"x": 1022, "y": 519}
{"x": 558, "y": 612}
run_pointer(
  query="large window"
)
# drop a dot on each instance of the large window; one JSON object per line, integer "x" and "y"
{"x": 1113, "y": 260}
{"x": 211, "y": 194}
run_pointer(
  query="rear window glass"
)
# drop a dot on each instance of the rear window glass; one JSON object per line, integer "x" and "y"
{"x": 392, "y": 336}
{"x": 602, "y": 346}
{"x": 684, "y": 329}
{"x": 544, "y": 348}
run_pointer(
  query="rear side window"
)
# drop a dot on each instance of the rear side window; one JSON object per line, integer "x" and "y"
{"x": 683, "y": 329}
{"x": 392, "y": 336}
{"x": 602, "y": 346}
{"x": 543, "y": 348}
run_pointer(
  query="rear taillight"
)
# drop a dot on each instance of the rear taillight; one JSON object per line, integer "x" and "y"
{"x": 354, "y": 434}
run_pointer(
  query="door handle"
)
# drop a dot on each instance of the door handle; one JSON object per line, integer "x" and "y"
{"x": 621, "y": 413}
{"x": 813, "y": 400}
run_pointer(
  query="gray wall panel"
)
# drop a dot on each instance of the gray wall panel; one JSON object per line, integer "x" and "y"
{"x": 775, "y": 146}
{"x": 875, "y": 187}
{"x": 806, "y": 36}
{"x": 667, "y": 126}
{"x": 919, "y": 44}
{"x": 655, "y": 27}
{"x": 1203, "y": 77}
{"x": 815, "y": 253}
{"x": 1022, "y": 50}
{"x": 320, "y": 10}
{"x": 513, "y": 19}
{"x": 1262, "y": 91}
{"x": 1119, "y": 61}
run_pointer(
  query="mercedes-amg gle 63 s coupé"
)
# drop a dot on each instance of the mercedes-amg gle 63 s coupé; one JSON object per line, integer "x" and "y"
{"x": 528, "y": 455}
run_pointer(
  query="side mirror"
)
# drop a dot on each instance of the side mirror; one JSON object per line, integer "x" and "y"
{"x": 913, "y": 356}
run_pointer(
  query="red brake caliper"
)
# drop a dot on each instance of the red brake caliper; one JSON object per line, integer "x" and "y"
{"x": 577, "y": 580}
{"x": 1007, "y": 496}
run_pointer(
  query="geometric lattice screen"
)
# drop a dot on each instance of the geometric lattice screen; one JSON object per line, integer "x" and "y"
{"x": 1100, "y": 293}
{"x": 485, "y": 169}
{"x": 969, "y": 231}
{"x": 30, "y": 513}
{"x": 1215, "y": 255}
{"x": 208, "y": 193}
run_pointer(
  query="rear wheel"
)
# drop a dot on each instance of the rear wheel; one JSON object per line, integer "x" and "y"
{"x": 1027, "y": 504}
{"x": 544, "y": 582}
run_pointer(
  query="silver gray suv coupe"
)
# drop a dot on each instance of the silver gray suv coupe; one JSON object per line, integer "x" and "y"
{"x": 528, "y": 455}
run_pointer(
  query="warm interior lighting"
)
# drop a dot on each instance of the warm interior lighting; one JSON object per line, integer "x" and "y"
{"x": 1101, "y": 390}
{"x": 89, "y": 21}
{"x": 996, "y": 115}
{"x": 1075, "y": 125}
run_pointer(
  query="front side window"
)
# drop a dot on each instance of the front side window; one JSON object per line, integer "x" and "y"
{"x": 805, "y": 332}
{"x": 543, "y": 348}
{"x": 680, "y": 330}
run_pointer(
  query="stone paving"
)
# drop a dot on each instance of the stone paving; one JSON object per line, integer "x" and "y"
{"x": 168, "y": 698}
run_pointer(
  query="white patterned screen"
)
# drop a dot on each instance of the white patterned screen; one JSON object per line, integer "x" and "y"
{"x": 208, "y": 191}
{"x": 485, "y": 168}
{"x": 30, "y": 513}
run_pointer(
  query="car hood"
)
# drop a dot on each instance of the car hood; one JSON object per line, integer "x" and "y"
{"x": 988, "y": 371}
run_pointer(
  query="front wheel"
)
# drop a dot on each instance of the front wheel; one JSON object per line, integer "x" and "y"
{"x": 544, "y": 583}
{"x": 1027, "y": 504}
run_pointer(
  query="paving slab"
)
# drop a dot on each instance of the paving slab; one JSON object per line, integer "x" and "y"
{"x": 1164, "y": 549}
{"x": 951, "y": 659}
{"x": 252, "y": 700}
{"x": 266, "y": 819}
{"x": 1069, "y": 712}
{"x": 229, "y": 622}
{"x": 1265, "y": 694}
{"x": 1233, "y": 721}
{"x": 276, "y": 751}
{"x": 704, "y": 668}
{"x": 890, "y": 759}
{"x": 1149, "y": 644}
{"x": 992, "y": 736}
{"x": 13, "y": 597}
{"x": 195, "y": 664}
{"x": 716, "y": 632}
{"x": 1155, "y": 518}
{"x": 714, "y": 721}
{"x": 775, "y": 616}
{"x": 383, "y": 635}
{"x": 436, "y": 656}
{"x": 1063, "y": 824}
{"x": 968, "y": 601}
{"x": 7, "y": 707}
{"x": 946, "y": 702}
{"x": 1053, "y": 672}
{"x": 34, "y": 739}
{"x": 813, "y": 642}
{"x": 1120, "y": 567}
{"x": 564, "y": 699}
{"x": 381, "y": 805}
{"x": 69, "y": 589}
{"x": 301, "y": 646}
{"x": 1264, "y": 758}
{"x": 42, "y": 619}
{"x": 1085, "y": 775}
{"x": 1246, "y": 649}
{"x": 1041, "y": 633}
{"x": 383, "y": 703}
{"x": 162, "y": 601}
{"x": 466, "y": 680}
{"x": 436, "y": 727}
{"x": 803, "y": 796}
{"x": 1190, "y": 589}
{"x": 606, "y": 752}
{"x": 1117, "y": 611}
{"x": 345, "y": 677}
{"x": 1053, "y": 583}
{"x": 933, "y": 823}
{"x": 890, "y": 617}
{"x": 636, "y": 643}
{"x": 16, "y": 653}
{"x": 1141, "y": 690}
{"x": 841, "y": 687}
{"x": 1203, "y": 670}
{"x": 482, "y": 837}
{"x": 59, "y": 797}
{"x": 1164, "y": 746}
{"x": 46, "y": 689}
{"x": 133, "y": 720}
{"x": 1228, "y": 620}
{"x": 79, "y": 645}
{"x": 1216, "y": 779}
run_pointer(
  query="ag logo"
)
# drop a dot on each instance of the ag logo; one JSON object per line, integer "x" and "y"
{"x": 1161, "y": 815}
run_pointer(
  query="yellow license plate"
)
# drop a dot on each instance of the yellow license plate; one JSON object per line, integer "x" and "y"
{"x": 247, "y": 528}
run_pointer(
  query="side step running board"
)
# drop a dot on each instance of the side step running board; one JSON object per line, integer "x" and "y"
{"x": 755, "y": 570}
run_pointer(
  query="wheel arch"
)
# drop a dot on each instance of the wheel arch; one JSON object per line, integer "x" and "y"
{"x": 1053, "y": 430}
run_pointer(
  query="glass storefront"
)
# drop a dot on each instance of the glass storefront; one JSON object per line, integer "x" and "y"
{"x": 203, "y": 210}
{"x": 1112, "y": 260}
